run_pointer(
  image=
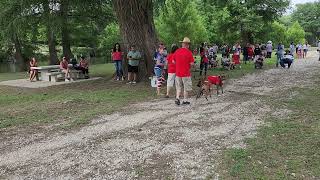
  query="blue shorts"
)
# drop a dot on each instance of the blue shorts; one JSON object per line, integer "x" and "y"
{"x": 158, "y": 71}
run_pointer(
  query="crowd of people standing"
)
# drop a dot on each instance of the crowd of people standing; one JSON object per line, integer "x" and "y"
{"x": 174, "y": 66}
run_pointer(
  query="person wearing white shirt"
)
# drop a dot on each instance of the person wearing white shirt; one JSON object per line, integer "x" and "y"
{"x": 215, "y": 48}
{"x": 287, "y": 59}
{"x": 269, "y": 49}
{"x": 292, "y": 48}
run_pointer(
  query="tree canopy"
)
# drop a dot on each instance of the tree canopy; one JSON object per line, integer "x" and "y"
{"x": 50, "y": 29}
{"x": 308, "y": 16}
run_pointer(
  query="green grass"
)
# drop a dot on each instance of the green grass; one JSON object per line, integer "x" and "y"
{"x": 76, "y": 104}
{"x": 69, "y": 104}
{"x": 13, "y": 76}
{"x": 73, "y": 104}
{"x": 287, "y": 148}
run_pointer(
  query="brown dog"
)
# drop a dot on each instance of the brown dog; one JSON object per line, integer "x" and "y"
{"x": 206, "y": 83}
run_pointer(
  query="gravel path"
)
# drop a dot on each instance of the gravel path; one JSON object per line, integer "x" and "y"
{"x": 154, "y": 140}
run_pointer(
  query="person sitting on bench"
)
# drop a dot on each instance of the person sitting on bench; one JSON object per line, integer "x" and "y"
{"x": 84, "y": 67}
{"x": 33, "y": 72}
{"x": 64, "y": 66}
{"x": 287, "y": 59}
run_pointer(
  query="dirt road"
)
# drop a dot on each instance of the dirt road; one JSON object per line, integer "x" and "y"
{"x": 154, "y": 140}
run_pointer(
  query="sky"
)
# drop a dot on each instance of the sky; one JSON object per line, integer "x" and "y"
{"x": 301, "y": 1}
{"x": 294, "y": 2}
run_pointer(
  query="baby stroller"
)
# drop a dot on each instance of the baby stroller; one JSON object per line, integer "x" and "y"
{"x": 258, "y": 64}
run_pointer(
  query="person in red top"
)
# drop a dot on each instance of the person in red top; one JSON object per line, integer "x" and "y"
{"x": 236, "y": 54}
{"x": 116, "y": 56}
{"x": 84, "y": 66}
{"x": 204, "y": 59}
{"x": 171, "y": 69}
{"x": 64, "y": 66}
{"x": 184, "y": 60}
{"x": 250, "y": 52}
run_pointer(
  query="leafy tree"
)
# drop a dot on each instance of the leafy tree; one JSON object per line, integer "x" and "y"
{"x": 245, "y": 19}
{"x": 308, "y": 16}
{"x": 296, "y": 33}
{"x": 32, "y": 23}
{"x": 180, "y": 18}
{"x": 15, "y": 23}
{"x": 110, "y": 36}
{"x": 278, "y": 33}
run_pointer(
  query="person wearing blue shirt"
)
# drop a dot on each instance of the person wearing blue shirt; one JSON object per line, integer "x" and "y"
{"x": 160, "y": 58}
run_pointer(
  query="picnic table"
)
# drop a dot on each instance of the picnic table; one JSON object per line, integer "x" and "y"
{"x": 46, "y": 71}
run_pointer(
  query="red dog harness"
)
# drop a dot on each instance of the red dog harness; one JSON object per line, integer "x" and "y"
{"x": 216, "y": 80}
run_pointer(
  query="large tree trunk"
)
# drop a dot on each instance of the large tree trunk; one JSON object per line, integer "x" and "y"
{"x": 53, "y": 57}
{"x": 18, "y": 53}
{"x": 247, "y": 37}
{"x": 137, "y": 28}
{"x": 65, "y": 34}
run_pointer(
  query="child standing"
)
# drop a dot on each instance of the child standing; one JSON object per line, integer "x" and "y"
{"x": 160, "y": 57}
{"x": 236, "y": 55}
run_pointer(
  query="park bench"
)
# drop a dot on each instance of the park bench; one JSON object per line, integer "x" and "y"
{"x": 77, "y": 74}
{"x": 59, "y": 76}
{"x": 55, "y": 76}
{"x": 53, "y": 73}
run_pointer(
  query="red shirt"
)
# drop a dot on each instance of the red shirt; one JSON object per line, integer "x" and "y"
{"x": 236, "y": 58}
{"x": 116, "y": 56}
{"x": 204, "y": 57}
{"x": 183, "y": 59}
{"x": 171, "y": 65}
{"x": 64, "y": 65}
{"x": 216, "y": 80}
{"x": 250, "y": 52}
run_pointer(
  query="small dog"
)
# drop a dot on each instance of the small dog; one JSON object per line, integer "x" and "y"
{"x": 206, "y": 83}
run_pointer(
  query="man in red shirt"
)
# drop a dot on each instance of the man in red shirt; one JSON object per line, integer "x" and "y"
{"x": 184, "y": 60}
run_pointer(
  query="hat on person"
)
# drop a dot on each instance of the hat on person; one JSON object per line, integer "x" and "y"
{"x": 186, "y": 40}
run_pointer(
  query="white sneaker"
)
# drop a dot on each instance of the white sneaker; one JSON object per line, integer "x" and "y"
{"x": 67, "y": 80}
{"x": 133, "y": 82}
